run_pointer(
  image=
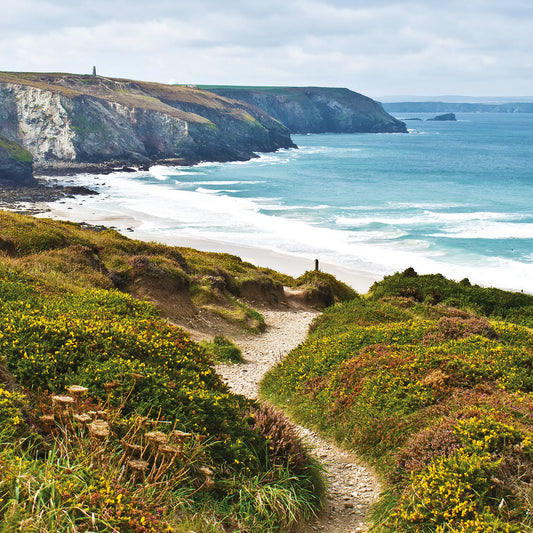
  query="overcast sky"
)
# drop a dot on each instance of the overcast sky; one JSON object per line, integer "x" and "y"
{"x": 376, "y": 47}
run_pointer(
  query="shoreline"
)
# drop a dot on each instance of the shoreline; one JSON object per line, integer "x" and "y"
{"x": 64, "y": 200}
{"x": 130, "y": 226}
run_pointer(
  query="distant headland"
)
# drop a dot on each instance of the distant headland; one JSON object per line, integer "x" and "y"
{"x": 72, "y": 123}
{"x": 316, "y": 109}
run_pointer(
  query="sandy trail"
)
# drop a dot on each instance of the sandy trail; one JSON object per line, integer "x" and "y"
{"x": 352, "y": 486}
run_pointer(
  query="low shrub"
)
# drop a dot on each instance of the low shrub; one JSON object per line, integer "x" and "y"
{"x": 515, "y": 307}
{"x": 222, "y": 350}
{"x": 438, "y": 399}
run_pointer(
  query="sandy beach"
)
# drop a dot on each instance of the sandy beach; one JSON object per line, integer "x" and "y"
{"x": 78, "y": 209}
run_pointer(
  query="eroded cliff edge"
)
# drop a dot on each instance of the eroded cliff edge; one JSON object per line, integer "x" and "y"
{"x": 74, "y": 121}
{"x": 317, "y": 109}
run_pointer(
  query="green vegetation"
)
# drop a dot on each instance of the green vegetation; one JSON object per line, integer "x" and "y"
{"x": 323, "y": 289}
{"x": 112, "y": 419}
{"x": 437, "y": 398}
{"x": 513, "y": 307}
{"x": 15, "y": 150}
{"x": 68, "y": 257}
{"x": 222, "y": 350}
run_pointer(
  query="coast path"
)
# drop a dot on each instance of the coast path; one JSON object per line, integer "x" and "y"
{"x": 352, "y": 487}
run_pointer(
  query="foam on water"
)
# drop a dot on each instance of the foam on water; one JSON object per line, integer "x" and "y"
{"x": 374, "y": 203}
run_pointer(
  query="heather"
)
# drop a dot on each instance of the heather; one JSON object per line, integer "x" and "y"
{"x": 436, "y": 396}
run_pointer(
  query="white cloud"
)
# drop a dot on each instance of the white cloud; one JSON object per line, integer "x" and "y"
{"x": 375, "y": 47}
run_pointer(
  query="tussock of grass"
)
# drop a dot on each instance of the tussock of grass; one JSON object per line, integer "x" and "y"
{"x": 324, "y": 290}
{"x": 222, "y": 350}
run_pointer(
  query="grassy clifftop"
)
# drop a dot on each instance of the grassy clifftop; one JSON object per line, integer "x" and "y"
{"x": 316, "y": 109}
{"x": 144, "y": 95}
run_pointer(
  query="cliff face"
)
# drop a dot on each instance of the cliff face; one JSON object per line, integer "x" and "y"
{"x": 317, "y": 109}
{"x": 65, "y": 118}
{"x": 15, "y": 164}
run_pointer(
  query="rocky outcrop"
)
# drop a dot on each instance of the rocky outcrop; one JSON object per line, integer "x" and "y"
{"x": 444, "y": 118}
{"x": 317, "y": 109}
{"x": 16, "y": 166}
{"x": 66, "y": 119}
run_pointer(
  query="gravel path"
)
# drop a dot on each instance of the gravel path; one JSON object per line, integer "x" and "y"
{"x": 352, "y": 486}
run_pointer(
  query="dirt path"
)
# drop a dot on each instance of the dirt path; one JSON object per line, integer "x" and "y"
{"x": 352, "y": 486}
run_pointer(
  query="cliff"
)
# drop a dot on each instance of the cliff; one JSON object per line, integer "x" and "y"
{"x": 317, "y": 109}
{"x": 75, "y": 120}
{"x": 15, "y": 164}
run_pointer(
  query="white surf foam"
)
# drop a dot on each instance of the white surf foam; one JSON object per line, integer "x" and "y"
{"x": 163, "y": 211}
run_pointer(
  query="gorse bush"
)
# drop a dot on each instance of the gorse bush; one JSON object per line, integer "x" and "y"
{"x": 437, "y": 398}
{"x": 515, "y": 307}
{"x": 138, "y": 370}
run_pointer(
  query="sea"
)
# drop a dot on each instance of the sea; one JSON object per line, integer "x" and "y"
{"x": 454, "y": 198}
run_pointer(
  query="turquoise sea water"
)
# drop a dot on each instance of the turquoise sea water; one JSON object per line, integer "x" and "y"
{"x": 449, "y": 197}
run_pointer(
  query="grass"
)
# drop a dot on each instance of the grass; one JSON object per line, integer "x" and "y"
{"x": 324, "y": 290}
{"x": 156, "y": 441}
{"x": 15, "y": 150}
{"x": 222, "y": 350}
{"x": 437, "y": 398}
{"x": 66, "y": 256}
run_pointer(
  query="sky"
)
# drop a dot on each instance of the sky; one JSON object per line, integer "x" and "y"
{"x": 375, "y": 47}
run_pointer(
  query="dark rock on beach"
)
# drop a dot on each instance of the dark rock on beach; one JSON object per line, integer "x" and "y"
{"x": 26, "y": 199}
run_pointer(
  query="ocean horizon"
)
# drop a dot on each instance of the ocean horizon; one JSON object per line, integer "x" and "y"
{"x": 448, "y": 197}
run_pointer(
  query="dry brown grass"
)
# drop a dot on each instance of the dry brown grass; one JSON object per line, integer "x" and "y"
{"x": 144, "y": 95}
